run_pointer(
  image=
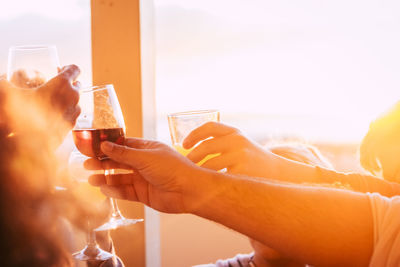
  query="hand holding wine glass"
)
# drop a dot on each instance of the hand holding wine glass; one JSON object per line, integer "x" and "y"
{"x": 34, "y": 72}
{"x": 50, "y": 110}
{"x": 101, "y": 120}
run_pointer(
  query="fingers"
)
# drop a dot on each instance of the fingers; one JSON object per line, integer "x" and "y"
{"x": 70, "y": 72}
{"x": 124, "y": 186}
{"x": 95, "y": 164}
{"x": 139, "y": 143}
{"x": 97, "y": 180}
{"x": 72, "y": 114}
{"x": 112, "y": 180}
{"x": 209, "y": 129}
{"x": 123, "y": 154}
{"x": 126, "y": 192}
{"x": 220, "y": 162}
{"x": 62, "y": 91}
{"x": 66, "y": 95}
{"x": 211, "y": 146}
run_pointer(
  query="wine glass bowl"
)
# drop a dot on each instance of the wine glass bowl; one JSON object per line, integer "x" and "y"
{"x": 31, "y": 66}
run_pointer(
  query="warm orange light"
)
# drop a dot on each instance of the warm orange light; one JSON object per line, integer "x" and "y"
{"x": 86, "y": 135}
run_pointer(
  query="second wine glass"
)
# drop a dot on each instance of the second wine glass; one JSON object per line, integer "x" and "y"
{"x": 30, "y": 66}
{"x": 101, "y": 120}
{"x": 92, "y": 250}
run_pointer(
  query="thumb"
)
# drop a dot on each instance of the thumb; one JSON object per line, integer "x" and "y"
{"x": 123, "y": 154}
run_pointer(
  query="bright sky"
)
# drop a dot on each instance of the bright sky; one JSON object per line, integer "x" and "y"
{"x": 54, "y": 9}
{"x": 333, "y": 63}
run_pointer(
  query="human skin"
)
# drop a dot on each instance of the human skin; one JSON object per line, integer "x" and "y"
{"x": 51, "y": 109}
{"x": 240, "y": 155}
{"x": 309, "y": 224}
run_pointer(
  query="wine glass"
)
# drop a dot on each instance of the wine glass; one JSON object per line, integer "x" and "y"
{"x": 182, "y": 123}
{"x": 101, "y": 120}
{"x": 91, "y": 251}
{"x": 30, "y": 66}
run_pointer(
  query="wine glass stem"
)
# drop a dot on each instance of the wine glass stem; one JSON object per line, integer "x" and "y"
{"x": 91, "y": 238}
{"x": 92, "y": 248}
{"x": 116, "y": 214}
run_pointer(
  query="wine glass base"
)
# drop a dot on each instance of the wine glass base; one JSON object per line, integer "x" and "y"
{"x": 95, "y": 255}
{"x": 117, "y": 223}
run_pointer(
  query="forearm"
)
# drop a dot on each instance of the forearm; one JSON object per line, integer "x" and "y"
{"x": 359, "y": 182}
{"x": 296, "y": 172}
{"x": 287, "y": 170}
{"x": 310, "y": 224}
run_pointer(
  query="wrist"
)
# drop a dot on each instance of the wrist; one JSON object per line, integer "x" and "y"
{"x": 199, "y": 189}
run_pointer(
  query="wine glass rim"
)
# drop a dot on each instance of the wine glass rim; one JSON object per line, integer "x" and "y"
{"x": 193, "y": 113}
{"x": 95, "y": 88}
{"x": 31, "y": 47}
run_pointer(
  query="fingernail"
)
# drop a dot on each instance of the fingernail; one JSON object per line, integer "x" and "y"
{"x": 107, "y": 146}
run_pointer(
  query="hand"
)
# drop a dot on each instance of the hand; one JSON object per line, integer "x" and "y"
{"x": 159, "y": 179}
{"x": 237, "y": 153}
{"x": 61, "y": 94}
{"x": 50, "y": 110}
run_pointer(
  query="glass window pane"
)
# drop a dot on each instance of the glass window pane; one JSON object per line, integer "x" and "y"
{"x": 317, "y": 69}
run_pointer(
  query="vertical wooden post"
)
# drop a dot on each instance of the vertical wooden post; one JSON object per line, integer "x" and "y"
{"x": 116, "y": 59}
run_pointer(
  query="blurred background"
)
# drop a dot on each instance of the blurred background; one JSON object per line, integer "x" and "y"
{"x": 310, "y": 70}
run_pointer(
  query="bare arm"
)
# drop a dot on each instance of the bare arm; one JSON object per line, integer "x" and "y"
{"x": 296, "y": 172}
{"x": 238, "y": 154}
{"x": 321, "y": 226}
{"x": 310, "y": 224}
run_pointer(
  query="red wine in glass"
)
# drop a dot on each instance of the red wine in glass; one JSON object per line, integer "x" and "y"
{"x": 88, "y": 141}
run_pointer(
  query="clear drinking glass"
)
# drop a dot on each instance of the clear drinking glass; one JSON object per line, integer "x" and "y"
{"x": 30, "y": 66}
{"x": 182, "y": 123}
{"x": 101, "y": 120}
{"x": 91, "y": 251}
